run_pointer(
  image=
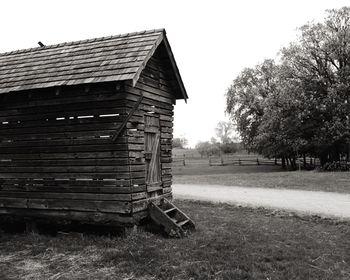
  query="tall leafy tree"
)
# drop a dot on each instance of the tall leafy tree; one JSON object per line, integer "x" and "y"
{"x": 300, "y": 105}
{"x": 320, "y": 60}
{"x": 246, "y": 99}
{"x": 224, "y": 131}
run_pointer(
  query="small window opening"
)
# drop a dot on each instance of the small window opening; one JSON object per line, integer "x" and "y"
{"x": 85, "y": 117}
{"x": 152, "y": 111}
{"x": 108, "y": 115}
{"x": 60, "y": 119}
{"x": 5, "y": 122}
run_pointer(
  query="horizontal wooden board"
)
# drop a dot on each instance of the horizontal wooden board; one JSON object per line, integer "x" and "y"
{"x": 66, "y": 162}
{"x": 142, "y": 205}
{"x": 28, "y": 182}
{"x": 56, "y": 175}
{"x": 61, "y": 204}
{"x": 118, "y": 170}
{"x": 62, "y": 195}
{"x": 93, "y": 217}
{"x": 64, "y": 120}
{"x": 73, "y": 155}
{"x": 68, "y": 149}
{"x": 149, "y": 95}
{"x": 72, "y": 188}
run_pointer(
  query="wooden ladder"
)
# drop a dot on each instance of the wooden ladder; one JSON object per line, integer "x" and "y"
{"x": 175, "y": 222}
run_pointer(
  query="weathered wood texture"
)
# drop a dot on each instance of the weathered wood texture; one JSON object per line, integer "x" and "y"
{"x": 156, "y": 83}
{"x": 56, "y": 151}
{"x": 58, "y": 157}
{"x": 114, "y": 58}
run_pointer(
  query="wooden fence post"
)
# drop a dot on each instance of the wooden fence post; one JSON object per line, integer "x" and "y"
{"x": 209, "y": 160}
{"x": 184, "y": 160}
{"x": 275, "y": 161}
{"x": 257, "y": 161}
{"x": 222, "y": 160}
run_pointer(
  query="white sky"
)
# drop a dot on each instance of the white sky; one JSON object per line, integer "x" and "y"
{"x": 212, "y": 40}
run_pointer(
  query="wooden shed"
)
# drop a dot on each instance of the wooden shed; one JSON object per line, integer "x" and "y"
{"x": 86, "y": 128}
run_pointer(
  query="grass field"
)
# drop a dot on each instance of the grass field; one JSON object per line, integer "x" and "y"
{"x": 198, "y": 171}
{"x": 230, "y": 243}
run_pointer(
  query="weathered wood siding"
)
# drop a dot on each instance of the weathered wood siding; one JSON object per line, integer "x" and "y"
{"x": 56, "y": 152}
{"x": 155, "y": 83}
{"x": 58, "y": 158}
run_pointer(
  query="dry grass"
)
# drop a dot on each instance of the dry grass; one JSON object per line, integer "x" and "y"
{"x": 230, "y": 243}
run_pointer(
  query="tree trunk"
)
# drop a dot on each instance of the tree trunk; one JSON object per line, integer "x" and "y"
{"x": 283, "y": 163}
{"x": 334, "y": 154}
{"x": 292, "y": 161}
{"x": 323, "y": 158}
{"x": 295, "y": 162}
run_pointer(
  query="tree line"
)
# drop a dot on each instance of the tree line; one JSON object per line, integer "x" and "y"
{"x": 299, "y": 103}
{"x": 224, "y": 143}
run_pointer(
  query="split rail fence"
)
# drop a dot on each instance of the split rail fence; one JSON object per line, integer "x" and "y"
{"x": 223, "y": 161}
{"x": 244, "y": 160}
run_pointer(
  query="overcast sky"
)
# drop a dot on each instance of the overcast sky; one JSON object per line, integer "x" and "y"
{"x": 212, "y": 40}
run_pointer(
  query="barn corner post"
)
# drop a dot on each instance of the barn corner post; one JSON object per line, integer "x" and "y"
{"x": 86, "y": 134}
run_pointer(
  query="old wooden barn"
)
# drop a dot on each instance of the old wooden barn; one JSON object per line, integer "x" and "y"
{"x": 86, "y": 128}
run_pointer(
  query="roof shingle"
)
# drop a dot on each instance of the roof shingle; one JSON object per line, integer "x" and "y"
{"x": 114, "y": 58}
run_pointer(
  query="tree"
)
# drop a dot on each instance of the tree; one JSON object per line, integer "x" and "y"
{"x": 320, "y": 60}
{"x": 229, "y": 148}
{"x": 224, "y": 131}
{"x": 300, "y": 105}
{"x": 180, "y": 142}
{"x": 246, "y": 99}
{"x": 207, "y": 148}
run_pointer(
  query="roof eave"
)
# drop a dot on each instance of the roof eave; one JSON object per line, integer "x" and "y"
{"x": 175, "y": 68}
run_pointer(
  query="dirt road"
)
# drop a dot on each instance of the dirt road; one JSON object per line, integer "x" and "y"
{"x": 325, "y": 204}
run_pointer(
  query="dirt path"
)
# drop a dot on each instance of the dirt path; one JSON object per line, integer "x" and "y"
{"x": 325, "y": 204}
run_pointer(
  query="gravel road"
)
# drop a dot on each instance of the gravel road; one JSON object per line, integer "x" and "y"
{"x": 324, "y": 204}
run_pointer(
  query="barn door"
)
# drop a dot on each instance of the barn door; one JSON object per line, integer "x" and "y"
{"x": 152, "y": 153}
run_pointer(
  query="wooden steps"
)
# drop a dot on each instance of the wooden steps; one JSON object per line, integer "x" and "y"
{"x": 174, "y": 222}
{"x": 169, "y": 210}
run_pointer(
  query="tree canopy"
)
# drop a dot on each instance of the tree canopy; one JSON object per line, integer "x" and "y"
{"x": 299, "y": 105}
{"x": 180, "y": 142}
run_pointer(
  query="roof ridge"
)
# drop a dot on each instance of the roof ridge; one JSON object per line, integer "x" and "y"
{"x": 70, "y": 43}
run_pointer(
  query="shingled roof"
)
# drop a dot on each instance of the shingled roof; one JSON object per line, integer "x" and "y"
{"x": 106, "y": 59}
